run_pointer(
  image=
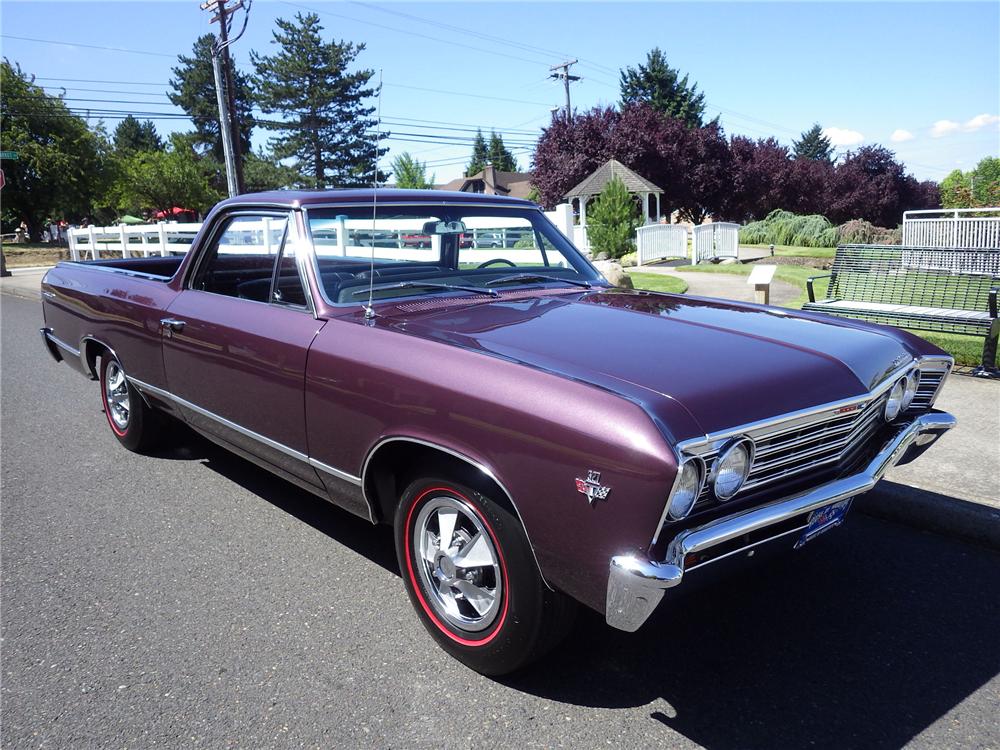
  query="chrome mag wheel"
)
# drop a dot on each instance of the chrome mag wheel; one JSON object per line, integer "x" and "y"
{"x": 458, "y": 564}
{"x": 116, "y": 395}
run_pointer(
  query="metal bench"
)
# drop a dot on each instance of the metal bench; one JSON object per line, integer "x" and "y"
{"x": 953, "y": 290}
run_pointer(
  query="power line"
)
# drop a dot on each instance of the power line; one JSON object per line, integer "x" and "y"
{"x": 88, "y": 46}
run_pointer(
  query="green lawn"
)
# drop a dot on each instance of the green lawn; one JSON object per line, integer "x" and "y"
{"x": 799, "y": 252}
{"x": 967, "y": 350}
{"x": 657, "y": 282}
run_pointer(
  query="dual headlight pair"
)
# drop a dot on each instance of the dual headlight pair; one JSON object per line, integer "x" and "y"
{"x": 729, "y": 472}
{"x": 901, "y": 395}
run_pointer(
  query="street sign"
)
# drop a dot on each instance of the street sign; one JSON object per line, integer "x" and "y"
{"x": 12, "y": 155}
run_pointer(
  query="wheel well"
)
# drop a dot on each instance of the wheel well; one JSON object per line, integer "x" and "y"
{"x": 397, "y": 463}
{"x": 92, "y": 349}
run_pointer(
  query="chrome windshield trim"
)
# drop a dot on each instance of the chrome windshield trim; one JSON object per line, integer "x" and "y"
{"x": 280, "y": 447}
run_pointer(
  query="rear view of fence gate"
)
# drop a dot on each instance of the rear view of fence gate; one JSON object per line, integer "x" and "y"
{"x": 659, "y": 241}
{"x": 714, "y": 241}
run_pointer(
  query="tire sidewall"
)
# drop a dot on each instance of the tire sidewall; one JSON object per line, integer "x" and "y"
{"x": 131, "y": 436}
{"x": 510, "y": 639}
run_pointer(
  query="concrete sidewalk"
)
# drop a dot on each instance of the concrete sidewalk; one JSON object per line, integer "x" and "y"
{"x": 723, "y": 285}
{"x": 24, "y": 283}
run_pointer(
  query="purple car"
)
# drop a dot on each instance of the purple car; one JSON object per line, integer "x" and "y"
{"x": 536, "y": 437}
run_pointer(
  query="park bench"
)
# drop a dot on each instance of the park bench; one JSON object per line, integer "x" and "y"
{"x": 928, "y": 289}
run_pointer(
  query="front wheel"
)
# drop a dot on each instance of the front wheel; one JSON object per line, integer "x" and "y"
{"x": 134, "y": 424}
{"x": 472, "y": 578}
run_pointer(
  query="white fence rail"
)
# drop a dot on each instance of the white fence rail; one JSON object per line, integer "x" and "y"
{"x": 953, "y": 228}
{"x": 131, "y": 241}
{"x": 718, "y": 240}
{"x": 658, "y": 241}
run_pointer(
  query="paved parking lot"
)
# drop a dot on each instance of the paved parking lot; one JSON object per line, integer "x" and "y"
{"x": 190, "y": 599}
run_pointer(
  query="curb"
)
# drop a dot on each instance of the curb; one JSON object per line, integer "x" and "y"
{"x": 933, "y": 511}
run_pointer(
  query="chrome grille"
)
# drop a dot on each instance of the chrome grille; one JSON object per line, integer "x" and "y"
{"x": 932, "y": 374}
{"x": 786, "y": 450}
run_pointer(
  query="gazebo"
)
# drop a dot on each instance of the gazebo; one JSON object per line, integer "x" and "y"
{"x": 596, "y": 182}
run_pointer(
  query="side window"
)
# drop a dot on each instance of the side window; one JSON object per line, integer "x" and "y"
{"x": 288, "y": 289}
{"x": 241, "y": 260}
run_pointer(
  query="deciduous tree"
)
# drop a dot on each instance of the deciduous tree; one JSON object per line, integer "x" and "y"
{"x": 61, "y": 163}
{"x": 327, "y": 122}
{"x": 409, "y": 172}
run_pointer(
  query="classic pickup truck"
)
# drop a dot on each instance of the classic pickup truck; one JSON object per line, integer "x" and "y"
{"x": 536, "y": 437}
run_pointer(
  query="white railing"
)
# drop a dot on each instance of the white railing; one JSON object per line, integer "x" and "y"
{"x": 716, "y": 240}
{"x": 131, "y": 241}
{"x": 659, "y": 241}
{"x": 952, "y": 228}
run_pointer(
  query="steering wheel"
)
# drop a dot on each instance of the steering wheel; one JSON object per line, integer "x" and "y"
{"x": 497, "y": 260}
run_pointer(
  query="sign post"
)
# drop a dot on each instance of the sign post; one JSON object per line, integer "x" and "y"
{"x": 760, "y": 277}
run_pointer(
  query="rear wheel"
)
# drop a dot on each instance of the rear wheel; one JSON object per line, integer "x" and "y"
{"x": 472, "y": 578}
{"x": 133, "y": 423}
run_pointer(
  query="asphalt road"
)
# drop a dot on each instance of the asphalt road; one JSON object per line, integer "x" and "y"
{"x": 191, "y": 600}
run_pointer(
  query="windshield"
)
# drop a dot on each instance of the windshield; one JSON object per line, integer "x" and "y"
{"x": 447, "y": 247}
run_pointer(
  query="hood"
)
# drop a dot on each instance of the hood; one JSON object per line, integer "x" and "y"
{"x": 725, "y": 363}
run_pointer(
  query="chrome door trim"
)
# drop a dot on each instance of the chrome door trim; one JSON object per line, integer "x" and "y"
{"x": 47, "y": 332}
{"x": 462, "y": 457}
{"x": 263, "y": 439}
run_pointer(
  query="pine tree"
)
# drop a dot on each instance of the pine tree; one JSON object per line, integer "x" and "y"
{"x": 193, "y": 91}
{"x": 131, "y": 136}
{"x": 612, "y": 220}
{"x": 326, "y": 123}
{"x": 411, "y": 173}
{"x": 480, "y": 155}
{"x": 813, "y": 145}
{"x": 500, "y": 157}
{"x": 661, "y": 86}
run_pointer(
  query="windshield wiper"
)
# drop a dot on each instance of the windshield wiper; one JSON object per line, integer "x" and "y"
{"x": 536, "y": 277}
{"x": 431, "y": 286}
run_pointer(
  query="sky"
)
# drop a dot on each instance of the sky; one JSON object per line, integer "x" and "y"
{"x": 920, "y": 78}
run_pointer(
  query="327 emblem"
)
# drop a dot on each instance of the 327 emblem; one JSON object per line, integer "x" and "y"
{"x": 592, "y": 488}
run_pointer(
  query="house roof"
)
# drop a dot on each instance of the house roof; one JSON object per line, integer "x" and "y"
{"x": 513, "y": 184}
{"x": 598, "y": 180}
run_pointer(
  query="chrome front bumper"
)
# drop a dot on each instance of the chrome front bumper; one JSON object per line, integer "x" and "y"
{"x": 636, "y": 585}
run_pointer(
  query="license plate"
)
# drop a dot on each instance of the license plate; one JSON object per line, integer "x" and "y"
{"x": 824, "y": 519}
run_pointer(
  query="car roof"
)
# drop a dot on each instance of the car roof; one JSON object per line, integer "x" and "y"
{"x": 367, "y": 195}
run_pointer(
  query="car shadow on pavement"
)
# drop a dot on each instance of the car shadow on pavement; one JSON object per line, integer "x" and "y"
{"x": 862, "y": 639}
{"x": 374, "y": 542}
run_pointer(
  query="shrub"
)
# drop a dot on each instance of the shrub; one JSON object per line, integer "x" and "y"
{"x": 785, "y": 228}
{"x": 629, "y": 259}
{"x": 612, "y": 222}
{"x": 861, "y": 232}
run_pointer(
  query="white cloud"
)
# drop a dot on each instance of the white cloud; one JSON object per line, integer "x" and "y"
{"x": 901, "y": 136}
{"x": 843, "y": 136}
{"x": 944, "y": 127}
{"x": 980, "y": 121}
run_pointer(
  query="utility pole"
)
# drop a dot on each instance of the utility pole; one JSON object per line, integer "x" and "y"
{"x": 566, "y": 78}
{"x": 228, "y": 124}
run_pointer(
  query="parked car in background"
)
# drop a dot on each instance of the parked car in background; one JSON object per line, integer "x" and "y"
{"x": 536, "y": 438}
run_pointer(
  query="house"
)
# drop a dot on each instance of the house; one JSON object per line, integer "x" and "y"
{"x": 492, "y": 182}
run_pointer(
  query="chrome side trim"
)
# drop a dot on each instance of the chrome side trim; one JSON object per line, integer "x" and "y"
{"x": 472, "y": 462}
{"x": 264, "y": 440}
{"x": 84, "y": 359}
{"x": 637, "y": 585}
{"x": 95, "y": 265}
{"x": 47, "y": 333}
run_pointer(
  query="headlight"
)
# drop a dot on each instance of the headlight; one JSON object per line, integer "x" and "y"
{"x": 895, "y": 403}
{"x": 731, "y": 468}
{"x": 687, "y": 490}
{"x": 912, "y": 380}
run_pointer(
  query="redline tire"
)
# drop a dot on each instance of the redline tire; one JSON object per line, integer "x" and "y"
{"x": 472, "y": 579}
{"x": 132, "y": 422}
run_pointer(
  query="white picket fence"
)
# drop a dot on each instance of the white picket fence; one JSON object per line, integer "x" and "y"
{"x": 131, "y": 240}
{"x": 977, "y": 228}
{"x": 659, "y": 241}
{"x": 717, "y": 240}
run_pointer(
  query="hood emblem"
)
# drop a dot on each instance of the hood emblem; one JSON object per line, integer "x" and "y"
{"x": 591, "y": 487}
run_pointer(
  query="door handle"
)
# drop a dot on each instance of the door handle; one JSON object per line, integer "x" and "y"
{"x": 172, "y": 325}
